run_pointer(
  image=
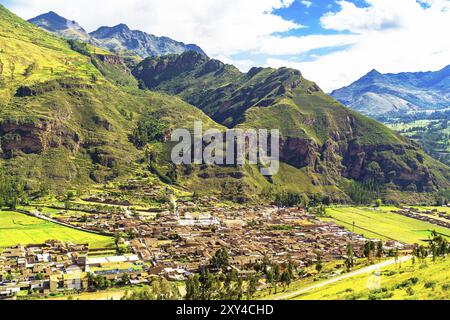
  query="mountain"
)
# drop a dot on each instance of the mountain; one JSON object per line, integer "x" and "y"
{"x": 64, "y": 120}
{"x": 324, "y": 140}
{"x": 121, "y": 39}
{"x": 377, "y": 94}
{"x": 72, "y": 118}
{"x": 54, "y": 23}
{"x": 415, "y": 104}
{"x": 118, "y": 39}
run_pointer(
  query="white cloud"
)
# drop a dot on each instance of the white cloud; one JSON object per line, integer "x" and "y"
{"x": 416, "y": 40}
{"x": 307, "y": 4}
{"x": 389, "y": 35}
{"x": 219, "y": 27}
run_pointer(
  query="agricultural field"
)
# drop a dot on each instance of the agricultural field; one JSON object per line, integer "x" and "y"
{"x": 418, "y": 281}
{"x": 382, "y": 224}
{"x": 433, "y": 135}
{"x": 17, "y": 228}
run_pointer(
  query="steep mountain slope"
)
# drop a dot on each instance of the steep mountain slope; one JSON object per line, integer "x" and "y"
{"x": 64, "y": 122}
{"x": 319, "y": 134}
{"x": 377, "y": 94}
{"x": 118, "y": 39}
{"x": 54, "y": 23}
{"x": 67, "y": 114}
{"x": 121, "y": 39}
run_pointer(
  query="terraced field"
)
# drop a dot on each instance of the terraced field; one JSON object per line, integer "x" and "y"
{"x": 384, "y": 225}
{"x": 17, "y": 228}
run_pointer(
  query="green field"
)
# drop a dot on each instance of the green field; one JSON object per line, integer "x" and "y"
{"x": 381, "y": 224}
{"x": 17, "y": 228}
{"x": 429, "y": 281}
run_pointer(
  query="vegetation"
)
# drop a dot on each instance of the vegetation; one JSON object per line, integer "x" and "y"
{"x": 17, "y": 228}
{"x": 159, "y": 289}
{"x": 382, "y": 224}
{"x": 148, "y": 130}
{"x": 426, "y": 279}
{"x": 11, "y": 191}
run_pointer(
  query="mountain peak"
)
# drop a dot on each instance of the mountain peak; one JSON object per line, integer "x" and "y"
{"x": 53, "y": 22}
{"x": 374, "y": 72}
{"x": 121, "y": 27}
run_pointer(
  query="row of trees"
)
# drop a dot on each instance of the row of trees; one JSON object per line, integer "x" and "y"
{"x": 159, "y": 289}
{"x": 438, "y": 246}
{"x": 220, "y": 286}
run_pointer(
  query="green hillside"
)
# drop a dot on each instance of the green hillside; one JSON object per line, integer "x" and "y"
{"x": 319, "y": 134}
{"x": 70, "y": 114}
{"x": 66, "y": 116}
{"x": 428, "y": 281}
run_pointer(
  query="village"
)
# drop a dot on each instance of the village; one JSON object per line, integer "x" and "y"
{"x": 172, "y": 244}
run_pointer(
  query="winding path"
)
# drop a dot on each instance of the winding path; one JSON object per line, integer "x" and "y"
{"x": 369, "y": 269}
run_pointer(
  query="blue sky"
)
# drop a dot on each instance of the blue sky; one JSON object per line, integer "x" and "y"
{"x": 332, "y": 42}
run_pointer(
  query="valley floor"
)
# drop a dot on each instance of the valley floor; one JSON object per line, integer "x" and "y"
{"x": 382, "y": 223}
{"x": 17, "y": 228}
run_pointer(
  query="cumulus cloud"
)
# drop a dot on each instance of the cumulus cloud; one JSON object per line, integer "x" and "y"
{"x": 307, "y": 4}
{"x": 394, "y": 36}
{"x": 219, "y": 26}
{"x": 389, "y": 35}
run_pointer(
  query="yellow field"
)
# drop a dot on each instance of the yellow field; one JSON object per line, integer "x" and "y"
{"x": 17, "y": 228}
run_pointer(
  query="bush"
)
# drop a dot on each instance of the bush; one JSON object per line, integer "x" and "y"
{"x": 148, "y": 130}
{"x": 430, "y": 285}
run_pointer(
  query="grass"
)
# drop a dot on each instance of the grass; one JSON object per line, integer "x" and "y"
{"x": 382, "y": 224}
{"x": 430, "y": 281}
{"x": 17, "y": 228}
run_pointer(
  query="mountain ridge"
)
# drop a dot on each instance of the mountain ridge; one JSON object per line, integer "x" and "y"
{"x": 376, "y": 94}
{"x": 118, "y": 39}
{"x": 318, "y": 133}
{"x": 66, "y": 123}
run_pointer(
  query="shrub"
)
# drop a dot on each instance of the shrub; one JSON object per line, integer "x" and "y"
{"x": 430, "y": 285}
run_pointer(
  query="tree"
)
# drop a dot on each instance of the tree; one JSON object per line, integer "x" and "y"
{"x": 319, "y": 265}
{"x": 12, "y": 190}
{"x": 380, "y": 250}
{"x": 207, "y": 285}
{"x": 39, "y": 277}
{"x": 148, "y": 130}
{"x": 270, "y": 278}
{"x": 29, "y": 70}
{"x": 349, "y": 261}
{"x": 287, "y": 199}
{"x": 276, "y": 276}
{"x": 193, "y": 288}
{"x": 369, "y": 248}
{"x": 71, "y": 195}
{"x": 220, "y": 260}
{"x": 125, "y": 279}
{"x": 159, "y": 289}
{"x": 286, "y": 279}
{"x": 378, "y": 203}
{"x": 251, "y": 287}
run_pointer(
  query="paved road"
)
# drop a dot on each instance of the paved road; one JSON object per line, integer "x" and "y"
{"x": 339, "y": 278}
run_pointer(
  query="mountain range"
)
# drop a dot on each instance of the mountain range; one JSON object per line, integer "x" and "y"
{"x": 416, "y": 104}
{"x": 378, "y": 94}
{"x": 72, "y": 117}
{"x": 119, "y": 39}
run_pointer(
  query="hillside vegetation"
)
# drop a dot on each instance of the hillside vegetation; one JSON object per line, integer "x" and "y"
{"x": 319, "y": 134}
{"x": 72, "y": 115}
